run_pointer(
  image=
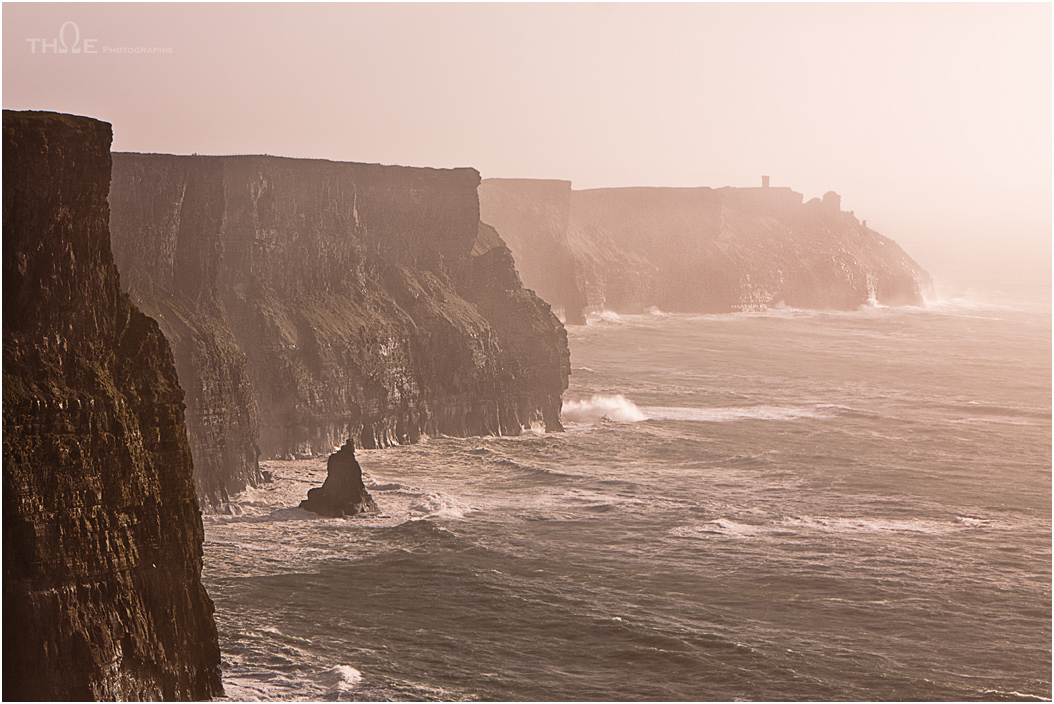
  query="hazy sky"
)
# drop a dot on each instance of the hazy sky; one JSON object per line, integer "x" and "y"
{"x": 932, "y": 121}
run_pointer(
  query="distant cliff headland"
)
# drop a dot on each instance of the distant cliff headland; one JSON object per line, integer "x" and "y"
{"x": 308, "y": 302}
{"x": 695, "y": 249}
{"x": 102, "y": 533}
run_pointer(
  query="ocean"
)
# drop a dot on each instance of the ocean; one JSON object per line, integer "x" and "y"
{"x": 788, "y": 505}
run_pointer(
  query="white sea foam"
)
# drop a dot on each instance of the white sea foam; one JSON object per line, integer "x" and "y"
{"x": 436, "y": 505}
{"x": 997, "y": 420}
{"x": 975, "y": 300}
{"x": 972, "y": 522}
{"x": 887, "y": 525}
{"x": 869, "y": 525}
{"x": 1019, "y": 695}
{"x": 872, "y": 302}
{"x": 613, "y": 407}
{"x": 383, "y": 486}
{"x": 825, "y": 524}
{"x": 603, "y": 316}
{"x": 721, "y": 526}
{"x": 348, "y": 677}
{"x": 726, "y": 414}
{"x": 585, "y": 498}
{"x": 725, "y": 525}
{"x": 249, "y": 689}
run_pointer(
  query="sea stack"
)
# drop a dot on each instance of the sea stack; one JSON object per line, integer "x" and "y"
{"x": 102, "y": 533}
{"x": 343, "y": 493}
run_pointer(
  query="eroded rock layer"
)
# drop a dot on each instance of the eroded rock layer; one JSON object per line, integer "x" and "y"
{"x": 345, "y": 300}
{"x": 102, "y": 532}
{"x": 701, "y": 249}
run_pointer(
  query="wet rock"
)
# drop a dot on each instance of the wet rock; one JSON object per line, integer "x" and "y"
{"x": 343, "y": 493}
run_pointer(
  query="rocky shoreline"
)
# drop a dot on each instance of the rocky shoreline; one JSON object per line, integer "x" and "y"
{"x": 285, "y": 308}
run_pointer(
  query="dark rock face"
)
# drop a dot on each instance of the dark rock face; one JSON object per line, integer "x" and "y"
{"x": 707, "y": 250}
{"x": 102, "y": 532}
{"x": 531, "y": 348}
{"x": 343, "y": 493}
{"x": 345, "y": 300}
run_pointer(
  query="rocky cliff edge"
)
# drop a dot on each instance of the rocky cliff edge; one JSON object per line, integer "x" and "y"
{"x": 102, "y": 532}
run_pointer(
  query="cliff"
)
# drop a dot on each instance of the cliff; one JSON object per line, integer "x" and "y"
{"x": 709, "y": 250}
{"x": 102, "y": 532}
{"x": 311, "y": 301}
{"x": 533, "y": 217}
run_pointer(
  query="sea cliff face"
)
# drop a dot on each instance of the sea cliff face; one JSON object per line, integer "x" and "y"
{"x": 708, "y": 250}
{"x": 102, "y": 532}
{"x": 533, "y": 217}
{"x": 311, "y": 301}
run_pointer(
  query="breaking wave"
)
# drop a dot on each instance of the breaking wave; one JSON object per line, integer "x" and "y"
{"x": 437, "y": 505}
{"x": 614, "y": 407}
{"x": 603, "y": 316}
{"x": 346, "y": 677}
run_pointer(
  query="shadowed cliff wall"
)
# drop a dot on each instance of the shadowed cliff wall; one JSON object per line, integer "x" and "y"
{"x": 102, "y": 532}
{"x": 344, "y": 300}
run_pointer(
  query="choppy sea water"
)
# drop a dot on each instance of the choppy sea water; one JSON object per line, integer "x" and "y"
{"x": 786, "y": 505}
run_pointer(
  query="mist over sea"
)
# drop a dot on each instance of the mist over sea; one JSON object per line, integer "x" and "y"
{"x": 789, "y": 505}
